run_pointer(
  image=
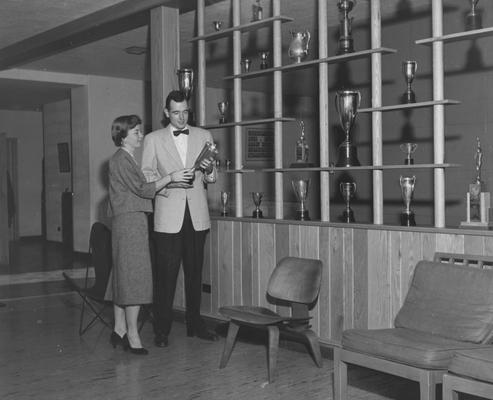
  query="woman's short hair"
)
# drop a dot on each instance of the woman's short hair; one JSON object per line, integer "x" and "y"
{"x": 121, "y": 125}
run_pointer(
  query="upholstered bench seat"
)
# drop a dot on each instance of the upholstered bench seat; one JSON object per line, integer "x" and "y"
{"x": 405, "y": 346}
{"x": 474, "y": 364}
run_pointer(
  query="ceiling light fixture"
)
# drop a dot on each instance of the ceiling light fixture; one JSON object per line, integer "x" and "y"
{"x": 136, "y": 50}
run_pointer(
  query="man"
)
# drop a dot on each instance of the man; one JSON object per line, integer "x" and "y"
{"x": 181, "y": 215}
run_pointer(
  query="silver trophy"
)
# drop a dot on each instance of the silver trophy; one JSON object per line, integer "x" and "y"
{"x": 217, "y": 25}
{"x": 408, "y": 149}
{"x": 257, "y": 199}
{"x": 298, "y": 48}
{"x": 208, "y": 151}
{"x": 347, "y": 103}
{"x": 409, "y": 71}
{"x": 300, "y": 187}
{"x": 224, "y": 203}
{"x": 257, "y": 11}
{"x": 246, "y": 64}
{"x": 345, "y": 27}
{"x": 473, "y": 17}
{"x": 407, "y": 190}
{"x": 223, "y": 109}
{"x": 185, "y": 84}
{"x": 348, "y": 189}
{"x": 476, "y": 187}
{"x": 264, "y": 55}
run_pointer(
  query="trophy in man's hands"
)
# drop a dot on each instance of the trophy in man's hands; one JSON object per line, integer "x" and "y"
{"x": 407, "y": 190}
{"x": 408, "y": 149}
{"x": 224, "y": 203}
{"x": 409, "y": 71}
{"x": 223, "y": 109}
{"x": 300, "y": 187}
{"x": 257, "y": 199}
{"x": 185, "y": 84}
{"x": 473, "y": 17}
{"x": 348, "y": 189}
{"x": 347, "y": 103}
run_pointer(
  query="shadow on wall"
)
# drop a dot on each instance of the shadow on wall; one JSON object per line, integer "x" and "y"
{"x": 103, "y": 207}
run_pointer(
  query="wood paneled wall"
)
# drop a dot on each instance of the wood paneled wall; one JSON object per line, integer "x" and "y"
{"x": 366, "y": 271}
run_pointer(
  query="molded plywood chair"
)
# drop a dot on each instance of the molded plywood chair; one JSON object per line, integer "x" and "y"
{"x": 294, "y": 282}
{"x": 100, "y": 259}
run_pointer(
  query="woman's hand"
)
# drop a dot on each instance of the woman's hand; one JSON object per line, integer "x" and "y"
{"x": 183, "y": 176}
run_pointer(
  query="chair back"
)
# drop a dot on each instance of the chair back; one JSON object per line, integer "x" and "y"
{"x": 101, "y": 258}
{"x": 296, "y": 280}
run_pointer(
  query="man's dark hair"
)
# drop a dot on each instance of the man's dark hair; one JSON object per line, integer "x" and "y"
{"x": 177, "y": 96}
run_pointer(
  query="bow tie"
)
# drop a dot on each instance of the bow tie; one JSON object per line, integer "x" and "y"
{"x": 184, "y": 131}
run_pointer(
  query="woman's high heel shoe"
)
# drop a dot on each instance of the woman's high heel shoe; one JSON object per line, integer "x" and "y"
{"x": 139, "y": 351}
{"x": 117, "y": 340}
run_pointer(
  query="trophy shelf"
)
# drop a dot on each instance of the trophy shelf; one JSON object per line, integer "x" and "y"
{"x": 420, "y": 104}
{"x": 251, "y": 26}
{"x": 236, "y": 171}
{"x": 249, "y": 122}
{"x": 364, "y": 167}
{"x": 454, "y": 37}
{"x": 328, "y": 60}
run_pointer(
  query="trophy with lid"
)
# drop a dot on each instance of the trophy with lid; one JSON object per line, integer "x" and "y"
{"x": 345, "y": 27}
{"x": 347, "y": 103}
{"x": 185, "y": 84}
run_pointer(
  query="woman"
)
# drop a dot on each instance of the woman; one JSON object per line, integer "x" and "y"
{"x": 130, "y": 196}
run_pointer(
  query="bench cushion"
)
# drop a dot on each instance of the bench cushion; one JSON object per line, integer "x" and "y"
{"x": 475, "y": 364}
{"x": 419, "y": 349}
{"x": 452, "y": 301}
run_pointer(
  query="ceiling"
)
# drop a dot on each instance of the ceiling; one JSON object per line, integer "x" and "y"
{"x": 98, "y": 58}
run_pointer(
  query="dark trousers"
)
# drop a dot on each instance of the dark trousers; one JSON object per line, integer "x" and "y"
{"x": 171, "y": 249}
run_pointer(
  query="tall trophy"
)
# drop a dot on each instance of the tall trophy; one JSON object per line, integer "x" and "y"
{"x": 347, "y": 103}
{"x": 407, "y": 190}
{"x": 408, "y": 149}
{"x": 473, "y": 17}
{"x": 478, "y": 202}
{"x": 224, "y": 203}
{"x": 185, "y": 84}
{"x": 409, "y": 71}
{"x": 348, "y": 189}
{"x": 298, "y": 48}
{"x": 223, "y": 108}
{"x": 345, "y": 27}
{"x": 300, "y": 187}
{"x": 257, "y": 199}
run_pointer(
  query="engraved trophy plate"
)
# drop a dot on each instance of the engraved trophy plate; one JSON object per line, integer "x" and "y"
{"x": 298, "y": 48}
{"x": 409, "y": 71}
{"x": 347, "y": 103}
{"x": 300, "y": 187}
{"x": 407, "y": 191}
{"x": 348, "y": 189}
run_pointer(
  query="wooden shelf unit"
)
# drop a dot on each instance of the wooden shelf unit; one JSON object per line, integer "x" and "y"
{"x": 455, "y": 37}
{"x": 249, "y": 122}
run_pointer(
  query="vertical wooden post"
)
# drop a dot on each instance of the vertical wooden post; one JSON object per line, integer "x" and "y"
{"x": 438, "y": 115}
{"x": 237, "y": 109}
{"x": 323, "y": 100}
{"x": 277, "y": 61}
{"x": 165, "y": 58}
{"x": 201, "y": 87}
{"x": 376, "y": 100}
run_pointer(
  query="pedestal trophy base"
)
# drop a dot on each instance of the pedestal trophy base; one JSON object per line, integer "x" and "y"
{"x": 409, "y": 98}
{"x": 345, "y": 46}
{"x": 409, "y": 161}
{"x": 257, "y": 214}
{"x": 478, "y": 212}
{"x": 224, "y": 213}
{"x": 348, "y": 216}
{"x": 407, "y": 219}
{"x": 302, "y": 215}
{"x": 347, "y": 156}
{"x": 473, "y": 22}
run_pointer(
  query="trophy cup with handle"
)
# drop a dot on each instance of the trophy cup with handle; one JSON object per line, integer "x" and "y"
{"x": 224, "y": 203}
{"x": 347, "y": 103}
{"x": 409, "y": 149}
{"x": 409, "y": 71}
{"x": 473, "y": 17}
{"x": 298, "y": 48}
{"x": 257, "y": 199}
{"x": 300, "y": 187}
{"x": 345, "y": 27}
{"x": 223, "y": 109}
{"x": 185, "y": 84}
{"x": 407, "y": 190}
{"x": 348, "y": 189}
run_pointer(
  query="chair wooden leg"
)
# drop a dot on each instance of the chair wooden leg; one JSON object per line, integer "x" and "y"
{"x": 314, "y": 347}
{"x": 427, "y": 387}
{"x": 273, "y": 349}
{"x": 228, "y": 345}
{"x": 340, "y": 376}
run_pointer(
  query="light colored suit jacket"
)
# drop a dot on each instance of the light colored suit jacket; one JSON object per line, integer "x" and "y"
{"x": 160, "y": 158}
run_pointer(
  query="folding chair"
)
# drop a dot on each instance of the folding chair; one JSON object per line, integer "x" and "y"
{"x": 100, "y": 259}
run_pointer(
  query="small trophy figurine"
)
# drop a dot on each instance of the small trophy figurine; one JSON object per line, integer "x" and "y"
{"x": 409, "y": 149}
{"x": 224, "y": 203}
{"x": 263, "y": 59}
{"x": 407, "y": 190}
{"x": 246, "y": 63}
{"x": 409, "y": 71}
{"x": 257, "y": 199}
{"x": 348, "y": 189}
{"x": 223, "y": 108}
{"x": 300, "y": 187}
{"x": 217, "y": 25}
{"x": 257, "y": 11}
{"x": 302, "y": 149}
{"x": 473, "y": 18}
{"x": 345, "y": 27}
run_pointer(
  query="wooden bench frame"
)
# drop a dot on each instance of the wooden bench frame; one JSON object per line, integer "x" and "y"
{"x": 453, "y": 384}
{"x": 427, "y": 378}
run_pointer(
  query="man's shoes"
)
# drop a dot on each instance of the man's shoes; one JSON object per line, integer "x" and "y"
{"x": 161, "y": 340}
